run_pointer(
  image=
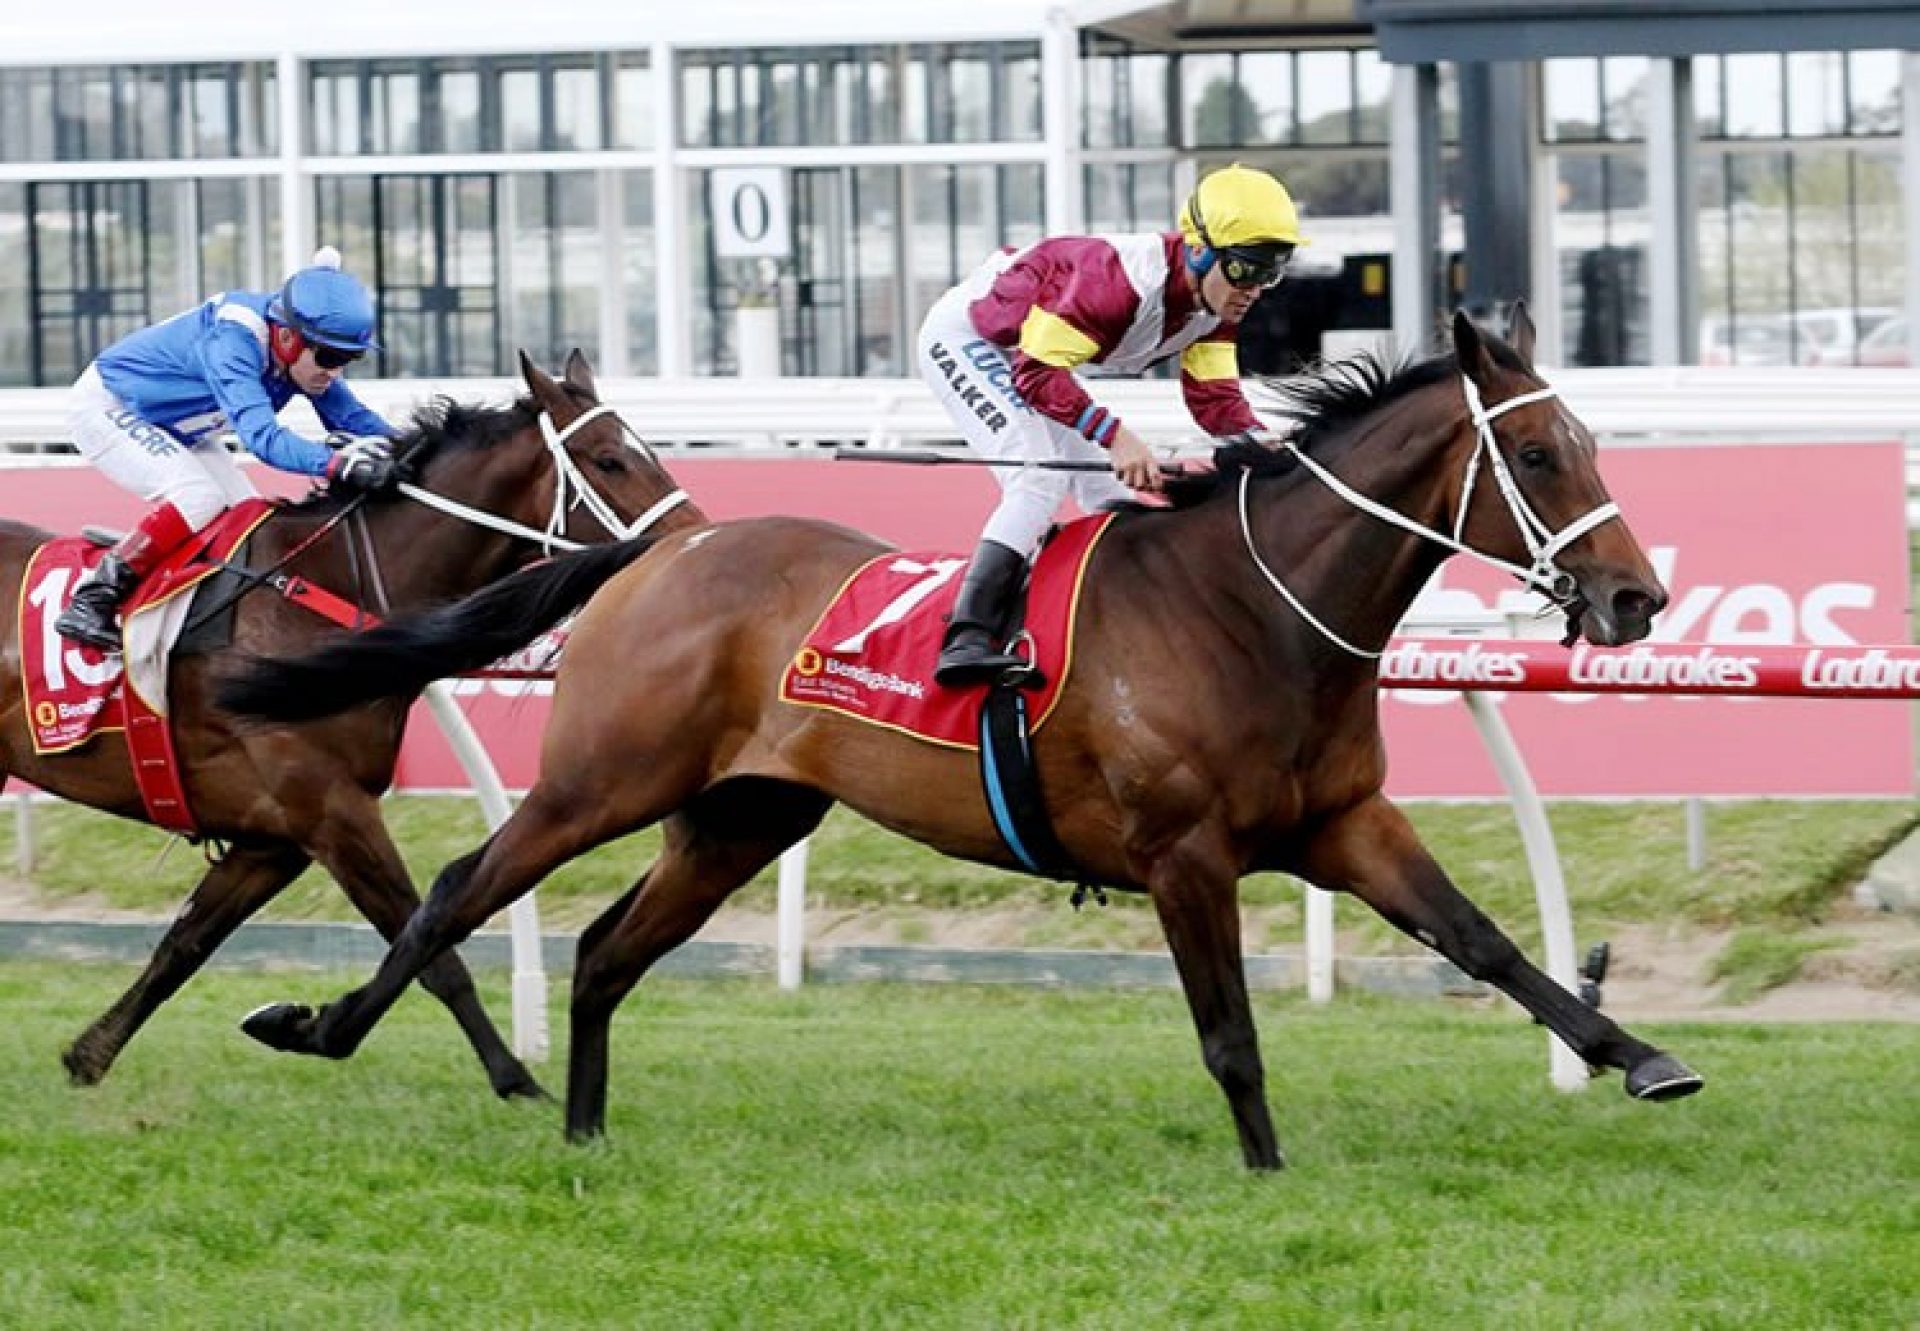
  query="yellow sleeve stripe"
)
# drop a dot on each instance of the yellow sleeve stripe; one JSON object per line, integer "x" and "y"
{"x": 1210, "y": 360}
{"x": 1051, "y": 340}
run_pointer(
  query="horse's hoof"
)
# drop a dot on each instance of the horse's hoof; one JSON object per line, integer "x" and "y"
{"x": 81, "y": 1070}
{"x": 1662, "y": 1077}
{"x": 282, "y": 1026}
{"x": 523, "y": 1087}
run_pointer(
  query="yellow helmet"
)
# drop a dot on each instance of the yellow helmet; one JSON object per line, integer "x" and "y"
{"x": 1238, "y": 205}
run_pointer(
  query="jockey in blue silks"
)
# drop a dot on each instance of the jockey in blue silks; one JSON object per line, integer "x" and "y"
{"x": 151, "y": 410}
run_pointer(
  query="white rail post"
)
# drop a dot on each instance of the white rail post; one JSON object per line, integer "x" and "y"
{"x": 1696, "y": 834}
{"x": 23, "y": 848}
{"x": 1567, "y": 1069}
{"x": 529, "y": 968}
{"x": 1319, "y": 946}
{"x": 790, "y": 948}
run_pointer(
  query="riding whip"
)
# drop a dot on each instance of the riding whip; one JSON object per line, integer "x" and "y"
{"x": 929, "y": 458}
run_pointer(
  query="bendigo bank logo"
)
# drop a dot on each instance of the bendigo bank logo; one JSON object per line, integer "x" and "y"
{"x": 45, "y": 715}
{"x": 807, "y": 662}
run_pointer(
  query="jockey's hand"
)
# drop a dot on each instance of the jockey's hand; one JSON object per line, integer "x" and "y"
{"x": 1133, "y": 462}
{"x": 365, "y": 464}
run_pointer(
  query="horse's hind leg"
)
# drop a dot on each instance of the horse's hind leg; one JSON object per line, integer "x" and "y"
{"x": 231, "y": 891}
{"x": 1374, "y": 853}
{"x": 357, "y": 850}
{"x": 712, "y": 847}
{"x": 550, "y": 827}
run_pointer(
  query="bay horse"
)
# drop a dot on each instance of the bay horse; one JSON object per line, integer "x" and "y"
{"x": 492, "y": 489}
{"x": 1221, "y": 716}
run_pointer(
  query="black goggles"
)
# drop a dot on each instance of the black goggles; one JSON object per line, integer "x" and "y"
{"x": 1255, "y": 267}
{"x": 333, "y": 358}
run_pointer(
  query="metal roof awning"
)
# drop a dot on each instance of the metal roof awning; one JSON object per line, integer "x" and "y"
{"x": 1432, "y": 31}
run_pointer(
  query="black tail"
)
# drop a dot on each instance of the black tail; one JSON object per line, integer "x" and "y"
{"x": 403, "y": 656}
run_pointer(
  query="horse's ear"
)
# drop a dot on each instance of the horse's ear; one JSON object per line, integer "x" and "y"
{"x": 539, "y": 382}
{"x": 580, "y": 374}
{"x": 1520, "y": 331}
{"x": 1471, "y": 349}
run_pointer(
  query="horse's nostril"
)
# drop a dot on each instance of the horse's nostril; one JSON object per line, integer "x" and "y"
{"x": 1631, "y": 605}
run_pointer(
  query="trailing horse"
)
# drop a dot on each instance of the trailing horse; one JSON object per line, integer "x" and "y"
{"x": 494, "y": 487}
{"x": 1221, "y": 716}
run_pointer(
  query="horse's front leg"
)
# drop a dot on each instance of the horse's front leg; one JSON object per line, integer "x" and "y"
{"x": 1374, "y": 853}
{"x": 250, "y": 875}
{"x": 1195, "y": 889}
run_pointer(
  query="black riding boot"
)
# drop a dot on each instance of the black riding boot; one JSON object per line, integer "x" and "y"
{"x": 93, "y": 617}
{"x": 970, "y": 653}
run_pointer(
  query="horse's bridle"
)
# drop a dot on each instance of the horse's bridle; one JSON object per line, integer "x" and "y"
{"x": 1543, "y": 543}
{"x": 566, "y": 475}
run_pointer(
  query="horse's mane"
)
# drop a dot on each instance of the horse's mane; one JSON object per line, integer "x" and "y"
{"x": 1322, "y": 402}
{"x": 441, "y": 426}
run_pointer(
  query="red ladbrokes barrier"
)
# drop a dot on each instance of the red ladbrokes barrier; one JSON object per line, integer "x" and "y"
{"x": 1786, "y": 557}
{"x": 1691, "y": 669}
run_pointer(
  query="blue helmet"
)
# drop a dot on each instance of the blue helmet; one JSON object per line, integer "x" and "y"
{"x": 326, "y": 306}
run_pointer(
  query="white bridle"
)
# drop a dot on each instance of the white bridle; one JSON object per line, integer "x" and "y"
{"x": 1542, "y": 542}
{"x": 566, "y": 476}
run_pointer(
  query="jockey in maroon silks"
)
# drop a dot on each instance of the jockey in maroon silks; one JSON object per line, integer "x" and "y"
{"x": 1000, "y": 352}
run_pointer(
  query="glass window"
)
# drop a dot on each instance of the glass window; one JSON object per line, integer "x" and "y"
{"x": 1326, "y": 97}
{"x": 208, "y": 113}
{"x": 336, "y": 127}
{"x": 1373, "y": 88}
{"x": 1572, "y": 94}
{"x": 633, "y": 103}
{"x": 1624, "y": 79}
{"x": 16, "y": 323}
{"x": 1211, "y": 99}
{"x": 639, "y": 272}
{"x": 1020, "y": 102}
{"x": 576, "y": 109}
{"x": 1268, "y": 81}
{"x": 1754, "y": 96}
{"x": 1148, "y": 99}
{"x": 1816, "y": 94}
{"x": 1709, "y": 109}
{"x": 396, "y": 109}
{"x": 461, "y": 127}
{"x": 697, "y": 105}
{"x": 1873, "y": 92}
{"x": 967, "y": 113}
{"x": 916, "y": 100}
{"x": 520, "y": 120}
{"x": 552, "y": 263}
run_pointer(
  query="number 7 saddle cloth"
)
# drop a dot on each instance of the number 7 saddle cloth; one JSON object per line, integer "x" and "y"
{"x": 871, "y": 653}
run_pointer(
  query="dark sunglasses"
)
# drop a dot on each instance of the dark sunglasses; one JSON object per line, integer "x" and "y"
{"x": 333, "y": 358}
{"x": 1255, "y": 267}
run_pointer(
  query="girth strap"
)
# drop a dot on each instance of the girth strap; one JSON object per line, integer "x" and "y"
{"x": 1012, "y": 786}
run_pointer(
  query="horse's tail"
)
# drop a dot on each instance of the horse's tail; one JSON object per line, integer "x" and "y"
{"x": 401, "y": 657}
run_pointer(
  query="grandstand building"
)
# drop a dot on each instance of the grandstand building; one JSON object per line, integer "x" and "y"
{"x": 1699, "y": 180}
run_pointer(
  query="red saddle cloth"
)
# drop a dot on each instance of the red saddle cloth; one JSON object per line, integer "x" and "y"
{"x": 75, "y": 693}
{"x": 872, "y": 651}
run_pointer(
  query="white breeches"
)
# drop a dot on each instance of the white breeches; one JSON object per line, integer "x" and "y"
{"x": 973, "y": 380}
{"x": 200, "y": 481}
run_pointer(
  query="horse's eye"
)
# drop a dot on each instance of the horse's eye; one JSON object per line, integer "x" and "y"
{"x": 1536, "y": 456}
{"x": 612, "y": 464}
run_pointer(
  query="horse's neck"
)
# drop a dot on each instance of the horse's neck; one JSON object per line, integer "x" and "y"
{"x": 1358, "y": 573}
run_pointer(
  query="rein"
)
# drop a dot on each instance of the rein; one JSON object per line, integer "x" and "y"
{"x": 566, "y": 474}
{"x": 1542, "y": 542}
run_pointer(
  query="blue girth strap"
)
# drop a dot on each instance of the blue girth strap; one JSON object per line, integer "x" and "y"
{"x": 1013, "y": 786}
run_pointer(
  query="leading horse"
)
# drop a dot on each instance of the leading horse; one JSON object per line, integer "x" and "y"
{"x": 493, "y": 489}
{"x": 1221, "y": 716}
